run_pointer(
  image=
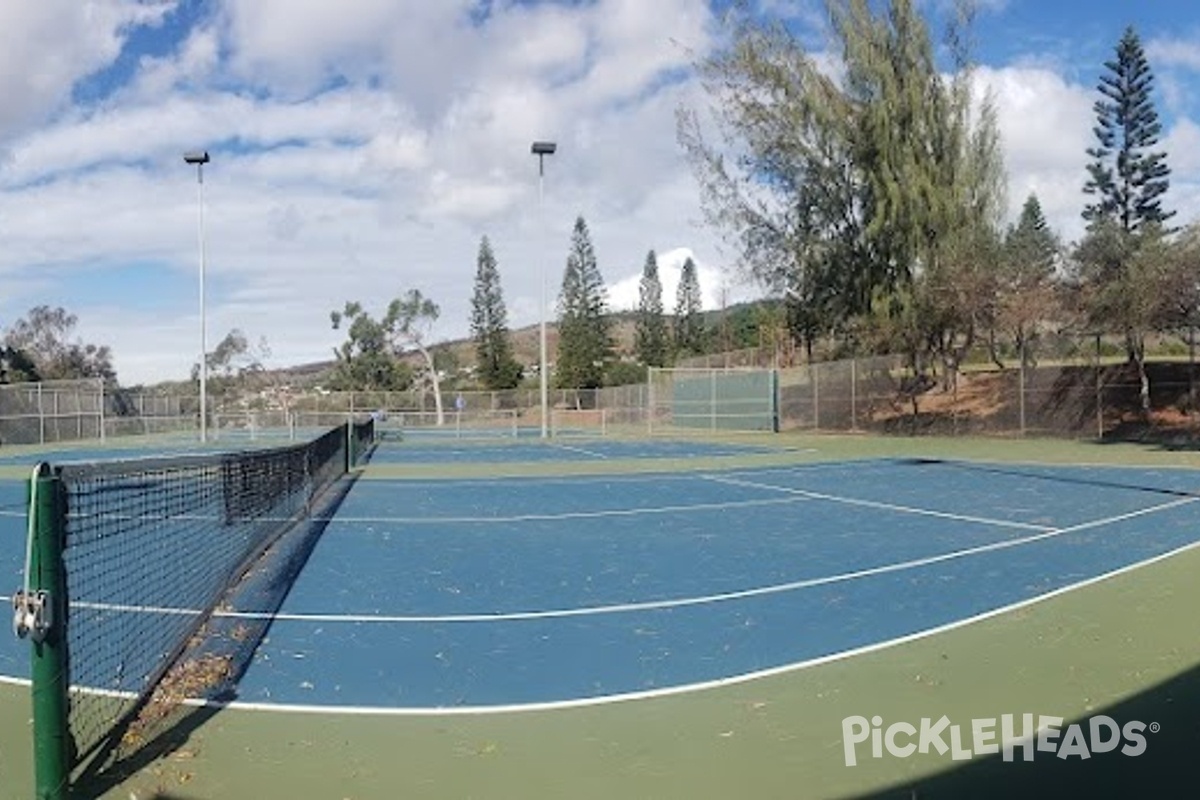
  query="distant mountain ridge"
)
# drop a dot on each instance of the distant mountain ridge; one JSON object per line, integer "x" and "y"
{"x": 526, "y": 349}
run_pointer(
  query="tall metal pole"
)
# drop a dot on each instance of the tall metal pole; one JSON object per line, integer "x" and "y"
{"x": 200, "y": 159}
{"x": 541, "y": 150}
{"x": 203, "y": 311}
{"x": 543, "y": 370}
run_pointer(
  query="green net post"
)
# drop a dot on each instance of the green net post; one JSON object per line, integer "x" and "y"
{"x": 350, "y": 454}
{"x": 51, "y": 736}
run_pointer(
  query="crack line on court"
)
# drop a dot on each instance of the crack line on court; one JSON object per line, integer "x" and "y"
{"x": 654, "y": 605}
{"x": 853, "y": 501}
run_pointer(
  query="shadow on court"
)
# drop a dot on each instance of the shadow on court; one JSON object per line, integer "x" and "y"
{"x": 1167, "y": 768}
{"x": 162, "y": 725}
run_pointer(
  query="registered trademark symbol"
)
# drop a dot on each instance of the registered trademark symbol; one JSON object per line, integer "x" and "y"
{"x": 1155, "y": 727}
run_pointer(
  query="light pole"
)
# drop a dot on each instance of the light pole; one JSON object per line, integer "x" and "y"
{"x": 541, "y": 150}
{"x": 200, "y": 158}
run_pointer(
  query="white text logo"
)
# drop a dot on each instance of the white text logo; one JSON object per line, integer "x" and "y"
{"x": 1007, "y": 735}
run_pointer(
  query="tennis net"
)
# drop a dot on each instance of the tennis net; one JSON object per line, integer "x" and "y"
{"x": 126, "y": 563}
{"x": 362, "y": 438}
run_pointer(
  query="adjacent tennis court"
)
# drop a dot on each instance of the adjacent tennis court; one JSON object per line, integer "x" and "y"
{"x": 466, "y": 597}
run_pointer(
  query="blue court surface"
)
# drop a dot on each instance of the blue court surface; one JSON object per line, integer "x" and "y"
{"x": 469, "y": 594}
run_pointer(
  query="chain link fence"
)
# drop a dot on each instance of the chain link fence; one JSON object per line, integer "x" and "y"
{"x": 1083, "y": 385}
{"x": 1058, "y": 386}
{"x": 51, "y": 411}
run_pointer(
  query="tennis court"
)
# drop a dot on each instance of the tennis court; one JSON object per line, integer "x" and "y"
{"x": 494, "y": 601}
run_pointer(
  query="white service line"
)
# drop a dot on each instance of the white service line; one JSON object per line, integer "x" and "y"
{"x": 851, "y": 501}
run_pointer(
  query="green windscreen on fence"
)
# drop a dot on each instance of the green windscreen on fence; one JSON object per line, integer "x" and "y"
{"x": 130, "y": 558}
{"x": 717, "y": 400}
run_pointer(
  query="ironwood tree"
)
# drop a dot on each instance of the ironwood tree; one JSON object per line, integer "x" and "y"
{"x": 862, "y": 194}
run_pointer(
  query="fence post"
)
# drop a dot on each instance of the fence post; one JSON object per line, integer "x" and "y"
{"x": 102, "y": 410}
{"x": 952, "y": 376}
{"x": 1099, "y": 394}
{"x": 1191, "y": 371}
{"x": 1021, "y": 385}
{"x": 854, "y": 393}
{"x": 816, "y": 382}
{"x": 712, "y": 401}
{"x": 650, "y": 400}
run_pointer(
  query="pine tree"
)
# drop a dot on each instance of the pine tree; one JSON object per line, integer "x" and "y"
{"x": 584, "y": 344}
{"x": 1024, "y": 291}
{"x": 1128, "y": 179}
{"x": 650, "y": 337}
{"x": 689, "y": 326}
{"x": 1030, "y": 245}
{"x": 489, "y": 325}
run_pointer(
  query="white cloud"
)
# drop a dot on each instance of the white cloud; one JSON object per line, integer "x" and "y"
{"x": 357, "y": 155}
{"x": 51, "y": 44}
{"x": 1172, "y": 52}
{"x": 716, "y": 290}
{"x": 1182, "y": 145}
{"x": 294, "y": 46}
{"x": 1046, "y": 126}
{"x": 196, "y": 61}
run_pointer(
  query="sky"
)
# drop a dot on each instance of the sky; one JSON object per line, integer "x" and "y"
{"x": 362, "y": 148}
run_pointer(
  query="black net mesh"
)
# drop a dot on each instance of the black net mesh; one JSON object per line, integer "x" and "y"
{"x": 151, "y": 548}
{"x": 362, "y": 436}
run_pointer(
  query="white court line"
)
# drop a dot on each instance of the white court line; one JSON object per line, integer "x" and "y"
{"x": 565, "y": 515}
{"x": 851, "y": 501}
{"x": 700, "y": 686}
{"x": 637, "y": 477}
{"x": 585, "y": 451}
{"x": 732, "y": 680}
{"x": 615, "y": 512}
{"x": 648, "y": 605}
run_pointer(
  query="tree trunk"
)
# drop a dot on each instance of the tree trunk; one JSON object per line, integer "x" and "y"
{"x": 992, "y": 350}
{"x": 1138, "y": 349}
{"x": 435, "y": 382}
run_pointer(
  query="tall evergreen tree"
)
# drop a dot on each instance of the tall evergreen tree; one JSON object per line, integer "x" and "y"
{"x": 1127, "y": 178}
{"x": 1024, "y": 291}
{"x": 651, "y": 338}
{"x": 584, "y": 344}
{"x": 1119, "y": 258}
{"x": 489, "y": 325}
{"x": 689, "y": 325}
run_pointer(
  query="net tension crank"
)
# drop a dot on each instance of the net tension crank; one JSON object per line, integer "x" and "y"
{"x": 32, "y": 614}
